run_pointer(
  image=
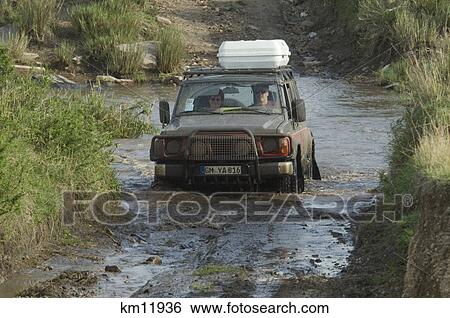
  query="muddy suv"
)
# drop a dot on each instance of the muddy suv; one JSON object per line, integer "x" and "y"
{"x": 236, "y": 127}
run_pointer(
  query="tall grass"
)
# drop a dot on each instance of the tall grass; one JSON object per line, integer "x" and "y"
{"x": 37, "y": 17}
{"x": 106, "y": 24}
{"x": 50, "y": 142}
{"x": 65, "y": 53}
{"x": 17, "y": 45}
{"x": 402, "y": 25}
{"x": 171, "y": 50}
{"x": 6, "y": 12}
{"x": 433, "y": 155}
{"x": 6, "y": 63}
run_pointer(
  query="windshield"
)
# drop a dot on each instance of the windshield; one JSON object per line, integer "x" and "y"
{"x": 229, "y": 97}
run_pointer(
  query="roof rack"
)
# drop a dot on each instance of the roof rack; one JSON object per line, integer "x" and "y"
{"x": 286, "y": 71}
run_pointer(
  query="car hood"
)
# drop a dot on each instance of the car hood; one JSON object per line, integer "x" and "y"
{"x": 256, "y": 123}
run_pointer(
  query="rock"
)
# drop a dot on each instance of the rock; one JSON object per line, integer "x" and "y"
{"x": 307, "y": 24}
{"x": 149, "y": 62}
{"x": 309, "y": 59}
{"x": 153, "y": 260}
{"x": 311, "y": 63}
{"x": 27, "y": 68}
{"x": 77, "y": 60}
{"x": 106, "y": 79}
{"x": 65, "y": 80}
{"x": 112, "y": 269}
{"x": 312, "y": 35}
{"x": 391, "y": 86}
{"x": 112, "y": 79}
{"x": 149, "y": 48}
{"x": 163, "y": 20}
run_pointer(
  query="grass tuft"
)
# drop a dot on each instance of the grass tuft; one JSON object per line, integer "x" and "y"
{"x": 65, "y": 53}
{"x": 171, "y": 50}
{"x": 37, "y": 17}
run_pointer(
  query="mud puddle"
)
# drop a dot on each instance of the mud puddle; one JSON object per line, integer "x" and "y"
{"x": 351, "y": 124}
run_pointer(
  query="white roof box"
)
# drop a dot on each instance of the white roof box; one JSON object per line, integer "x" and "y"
{"x": 253, "y": 54}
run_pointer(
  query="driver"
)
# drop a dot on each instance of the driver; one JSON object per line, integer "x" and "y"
{"x": 262, "y": 96}
{"x": 216, "y": 101}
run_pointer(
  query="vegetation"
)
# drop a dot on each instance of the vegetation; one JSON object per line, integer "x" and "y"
{"x": 51, "y": 142}
{"x": 65, "y": 53}
{"x": 171, "y": 50}
{"x": 17, "y": 45}
{"x": 413, "y": 36}
{"x": 37, "y": 17}
{"x": 105, "y": 26}
{"x": 6, "y": 12}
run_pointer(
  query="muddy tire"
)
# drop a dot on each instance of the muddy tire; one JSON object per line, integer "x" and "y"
{"x": 294, "y": 183}
{"x": 288, "y": 184}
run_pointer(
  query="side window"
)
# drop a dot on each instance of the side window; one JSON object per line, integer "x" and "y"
{"x": 288, "y": 98}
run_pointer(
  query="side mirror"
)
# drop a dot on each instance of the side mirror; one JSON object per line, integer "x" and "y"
{"x": 164, "y": 112}
{"x": 298, "y": 110}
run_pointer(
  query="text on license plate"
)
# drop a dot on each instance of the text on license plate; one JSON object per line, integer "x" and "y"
{"x": 211, "y": 170}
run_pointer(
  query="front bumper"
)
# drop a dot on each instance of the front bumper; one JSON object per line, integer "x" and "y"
{"x": 253, "y": 171}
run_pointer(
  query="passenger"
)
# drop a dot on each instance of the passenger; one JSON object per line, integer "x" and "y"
{"x": 216, "y": 101}
{"x": 262, "y": 96}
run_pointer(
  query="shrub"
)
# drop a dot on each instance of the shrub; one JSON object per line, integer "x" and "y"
{"x": 50, "y": 142}
{"x": 6, "y": 12}
{"x": 5, "y": 62}
{"x": 105, "y": 25}
{"x": 37, "y": 17}
{"x": 65, "y": 53}
{"x": 171, "y": 50}
{"x": 17, "y": 45}
{"x": 433, "y": 154}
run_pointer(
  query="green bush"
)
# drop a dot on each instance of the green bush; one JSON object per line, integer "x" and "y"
{"x": 37, "y": 17}
{"x": 171, "y": 50}
{"x": 5, "y": 62}
{"x": 65, "y": 53}
{"x": 17, "y": 45}
{"x": 51, "y": 142}
{"x": 6, "y": 12}
{"x": 105, "y": 25}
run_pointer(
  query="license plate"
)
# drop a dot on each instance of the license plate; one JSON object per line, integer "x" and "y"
{"x": 220, "y": 170}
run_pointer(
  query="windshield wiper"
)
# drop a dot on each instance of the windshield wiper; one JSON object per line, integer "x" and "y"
{"x": 248, "y": 109}
{"x": 199, "y": 112}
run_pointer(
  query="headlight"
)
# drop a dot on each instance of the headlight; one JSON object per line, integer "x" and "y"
{"x": 173, "y": 146}
{"x": 270, "y": 145}
{"x": 166, "y": 147}
{"x": 274, "y": 146}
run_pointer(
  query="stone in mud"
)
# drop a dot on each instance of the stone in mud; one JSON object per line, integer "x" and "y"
{"x": 112, "y": 269}
{"x": 153, "y": 260}
{"x": 163, "y": 20}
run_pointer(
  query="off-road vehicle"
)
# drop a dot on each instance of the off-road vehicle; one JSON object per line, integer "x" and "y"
{"x": 236, "y": 127}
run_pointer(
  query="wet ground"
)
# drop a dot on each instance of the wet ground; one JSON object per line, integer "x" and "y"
{"x": 310, "y": 234}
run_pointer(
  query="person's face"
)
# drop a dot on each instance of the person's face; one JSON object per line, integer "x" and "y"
{"x": 215, "y": 101}
{"x": 263, "y": 97}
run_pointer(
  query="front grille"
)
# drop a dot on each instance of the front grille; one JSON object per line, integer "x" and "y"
{"x": 225, "y": 147}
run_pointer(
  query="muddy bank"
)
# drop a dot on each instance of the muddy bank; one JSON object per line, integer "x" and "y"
{"x": 428, "y": 270}
{"x": 319, "y": 45}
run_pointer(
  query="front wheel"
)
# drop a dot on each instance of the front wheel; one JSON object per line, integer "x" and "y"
{"x": 294, "y": 183}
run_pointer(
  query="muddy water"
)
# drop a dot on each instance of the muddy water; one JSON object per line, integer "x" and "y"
{"x": 351, "y": 124}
